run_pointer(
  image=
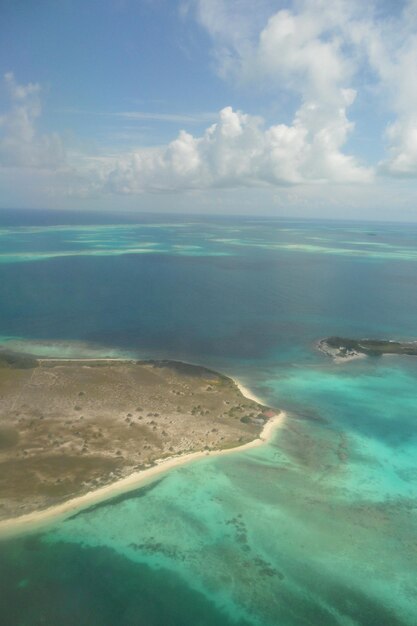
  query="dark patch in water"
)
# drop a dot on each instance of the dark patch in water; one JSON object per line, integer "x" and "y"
{"x": 66, "y": 585}
{"x": 360, "y": 608}
{"x": 32, "y": 543}
{"x": 129, "y": 495}
{"x": 17, "y": 361}
{"x": 309, "y": 415}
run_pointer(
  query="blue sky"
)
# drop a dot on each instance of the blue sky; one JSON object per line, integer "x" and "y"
{"x": 275, "y": 107}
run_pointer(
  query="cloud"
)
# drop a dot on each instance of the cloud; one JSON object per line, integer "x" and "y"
{"x": 392, "y": 50}
{"x": 318, "y": 49}
{"x": 152, "y": 116}
{"x": 239, "y": 151}
{"x": 21, "y": 145}
{"x": 326, "y": 54}
{"x": 175, "y": 118}
{"x": 305, "y": 51}
{"x": 302, "y": 50}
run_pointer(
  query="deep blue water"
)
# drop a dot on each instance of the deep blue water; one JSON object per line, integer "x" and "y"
{"x": 327, "y": 512}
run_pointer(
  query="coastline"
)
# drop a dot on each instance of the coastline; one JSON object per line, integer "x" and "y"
{"x": 247, "y": 392}
{"x": 335, "y": 355}
{"x": 38, "y": 520}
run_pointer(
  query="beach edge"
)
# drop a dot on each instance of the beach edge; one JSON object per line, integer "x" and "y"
{"x": 36, "y": 521}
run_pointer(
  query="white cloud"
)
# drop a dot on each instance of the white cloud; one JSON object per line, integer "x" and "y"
{"x": 21, "y": 145}
{"x": 238, "y": 151}
{"x": 175, "y": 118}
{"x": 391, "y": 46}
{"x": 302, "y": 50}
{"x": 318, "y": 49}
{"x": 325, "y": 53}
{"x": 292, "y": 48}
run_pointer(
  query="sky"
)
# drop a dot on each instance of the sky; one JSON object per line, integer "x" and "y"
{"x": 304, "y": 108}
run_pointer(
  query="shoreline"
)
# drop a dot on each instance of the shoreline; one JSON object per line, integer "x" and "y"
{"x": 36, "y": 521}
{"x": 247, "y": 392}
{"x": 337, "y": 358}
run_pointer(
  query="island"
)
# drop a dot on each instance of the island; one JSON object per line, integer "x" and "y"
{"x": 72, "y": 426}
{"x": 341, "y": 348}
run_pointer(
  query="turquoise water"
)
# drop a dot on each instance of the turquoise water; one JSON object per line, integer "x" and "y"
{"x": 316, "y": 528}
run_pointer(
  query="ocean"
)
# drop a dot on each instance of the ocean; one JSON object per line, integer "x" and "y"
{"x": 316, "y": 528}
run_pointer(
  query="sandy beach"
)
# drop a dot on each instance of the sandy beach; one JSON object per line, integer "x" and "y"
{"x": 39, "y": 520}
{"x": 247, "y": 392}
{"x": 71, "y": 427}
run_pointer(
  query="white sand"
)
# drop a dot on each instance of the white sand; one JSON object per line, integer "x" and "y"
{"x": 39, "y": 520}
{"x": 247, "y": 392}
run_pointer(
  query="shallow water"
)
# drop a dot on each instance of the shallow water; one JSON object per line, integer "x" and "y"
{"x": 316, "y": 528}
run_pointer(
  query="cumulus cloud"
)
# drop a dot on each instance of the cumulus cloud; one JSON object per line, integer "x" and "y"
{"x": 238, "y": 150}
{"x": 318, "y": 49}
{"x": 324, "y": 53}
{"x": 302, "y": 50}
{"x": 21, "y": 145}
